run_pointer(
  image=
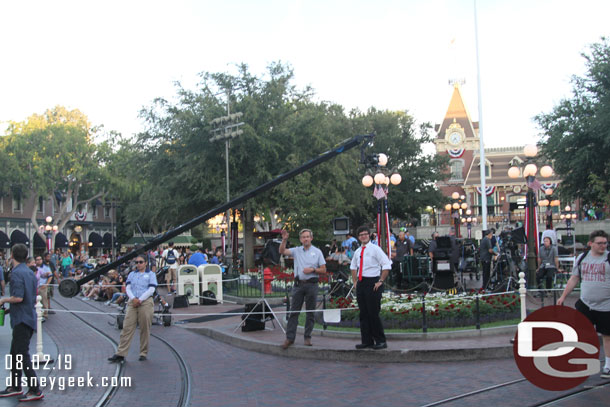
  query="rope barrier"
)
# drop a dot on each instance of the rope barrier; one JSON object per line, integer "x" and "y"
{"x": 197, "y": 314}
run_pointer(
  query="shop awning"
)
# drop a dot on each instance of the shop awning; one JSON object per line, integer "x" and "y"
{"x": 5, "y": 242}
{"x": 19, "y": 237}
{"x": 61, "y": 241}
{"x": 108, "y": 240}
{"x": 96, "y": 240}
{"x": 39, "y": 242}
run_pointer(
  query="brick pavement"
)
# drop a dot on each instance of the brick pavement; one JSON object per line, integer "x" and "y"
{"x": 224, "y": 375}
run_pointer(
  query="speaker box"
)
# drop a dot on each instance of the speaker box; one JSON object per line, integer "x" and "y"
{"x": 181, "y": 301}
{"x": 253, "y": 325}
{"x": 208, "y": 298}
{"x": 254, "y": 321}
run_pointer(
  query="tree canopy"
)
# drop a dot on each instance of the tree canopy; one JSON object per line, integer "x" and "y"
{"x": 54, "y": 154}
{"x": 576, "y": 133}
{"x": 183, "y": 171}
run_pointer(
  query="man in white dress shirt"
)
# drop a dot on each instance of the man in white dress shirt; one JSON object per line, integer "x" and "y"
{"x": 370, "y": 267}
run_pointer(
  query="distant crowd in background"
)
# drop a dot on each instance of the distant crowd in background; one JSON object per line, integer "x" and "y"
{"x": 51, "y": 268}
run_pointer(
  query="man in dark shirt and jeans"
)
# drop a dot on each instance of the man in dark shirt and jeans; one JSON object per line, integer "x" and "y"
{"x": 23, "y": 286}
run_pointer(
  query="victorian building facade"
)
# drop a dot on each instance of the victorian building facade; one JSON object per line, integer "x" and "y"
{"x": 458, "y": 138}
{"x": 91, "y": 228}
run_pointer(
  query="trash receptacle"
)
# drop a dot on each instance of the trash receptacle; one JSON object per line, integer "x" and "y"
{"x": 211, "y": 279}
{"x": 188, "y": 283}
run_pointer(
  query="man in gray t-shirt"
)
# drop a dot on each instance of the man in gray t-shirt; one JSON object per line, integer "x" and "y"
{"x": 592, "y": 270}
{"x": 308, "y": 265}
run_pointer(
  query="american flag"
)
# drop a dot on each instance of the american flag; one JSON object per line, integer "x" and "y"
{"x": 379, "y": 192}
{"x": 534, "y": 184}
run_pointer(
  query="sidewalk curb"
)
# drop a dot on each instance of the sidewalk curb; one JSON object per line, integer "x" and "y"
{"x": 353, "y": 355}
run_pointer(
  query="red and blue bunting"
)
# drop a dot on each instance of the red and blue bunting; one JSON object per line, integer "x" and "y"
{"x": 456, "y": 152}
{"x": 488, "y": 190}
{"x": 550, "y": 185}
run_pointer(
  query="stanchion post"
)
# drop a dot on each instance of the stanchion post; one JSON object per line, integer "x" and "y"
{"x": 478, "y": 312}
{"x": 423, "y": 314}
{"x": 287, "y": 304}
{"x": 323, "y": 308}
{"x": 39, "y": 327}
{"x": 522, "y": 291}
{"x": 554, "y": 297}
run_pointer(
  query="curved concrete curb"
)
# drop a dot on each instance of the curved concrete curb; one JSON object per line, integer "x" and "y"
{"x": 369, "y": 356}
{"x": 470, "y": 333}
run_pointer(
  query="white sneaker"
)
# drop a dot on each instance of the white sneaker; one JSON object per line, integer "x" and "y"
{"x": 86, "y": 299}
{"x": 605, "y": 374}
{"x": 107, "y": 303}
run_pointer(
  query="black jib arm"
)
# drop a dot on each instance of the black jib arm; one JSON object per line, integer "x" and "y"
{"x": 71, "y": 287}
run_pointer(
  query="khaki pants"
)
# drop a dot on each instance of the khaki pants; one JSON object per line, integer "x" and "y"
{"x": 171, "y": 276}
{"x": 43, "y": 291}
{"x": 143, "y": 316}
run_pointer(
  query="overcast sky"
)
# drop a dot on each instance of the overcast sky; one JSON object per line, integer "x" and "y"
{"x": 111, "y": 58}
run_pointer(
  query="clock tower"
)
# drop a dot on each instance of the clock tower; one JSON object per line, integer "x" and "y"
{"x": 457, "y": 137}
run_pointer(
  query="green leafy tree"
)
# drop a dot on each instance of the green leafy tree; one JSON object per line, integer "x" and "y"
{"x": 576, "y": 133}
{"x": 284, "y": 127}
{"x": 55, "y": 152}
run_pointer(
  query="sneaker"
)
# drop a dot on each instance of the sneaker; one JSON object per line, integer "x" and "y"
{"x": 32, "y": 396}
{"x": 142, "y": 358}
{"x": 86, "y": 299}
{"x": 107, "y": 303}
{"x": 605, "y": 374}
{"x": 10, "y": 392}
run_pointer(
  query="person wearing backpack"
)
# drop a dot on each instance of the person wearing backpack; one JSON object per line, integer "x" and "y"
{"x": 170, "y": 257}
{"x": 592, "y": 270}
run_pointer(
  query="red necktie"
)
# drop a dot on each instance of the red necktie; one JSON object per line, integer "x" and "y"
{"x": 361, "y": 263}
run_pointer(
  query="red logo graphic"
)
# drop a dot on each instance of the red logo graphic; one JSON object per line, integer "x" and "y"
{"x": 556, "y": 348}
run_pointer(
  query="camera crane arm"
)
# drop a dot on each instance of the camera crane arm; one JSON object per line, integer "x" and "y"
{"x": 71, "y": 287}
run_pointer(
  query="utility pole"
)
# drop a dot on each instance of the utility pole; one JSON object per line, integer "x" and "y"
{"x": 226, "y": 128}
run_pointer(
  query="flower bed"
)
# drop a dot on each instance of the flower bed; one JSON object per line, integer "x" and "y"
{"x": 405, "y": 311}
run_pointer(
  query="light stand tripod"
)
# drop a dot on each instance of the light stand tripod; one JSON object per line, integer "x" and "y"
{"x": 263, "y": 305}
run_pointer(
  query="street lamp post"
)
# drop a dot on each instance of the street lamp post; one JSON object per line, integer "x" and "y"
{"x": 49, "y": 230}
{"x": 528, "y": 170}
{"x": 469, "y": 220}
{"x": 456, "y": 207}
{"x": 568, "y": 215}
{"x": 378, "y": 174}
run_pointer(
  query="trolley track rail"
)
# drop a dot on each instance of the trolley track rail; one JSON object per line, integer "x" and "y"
{"x": 186, "y": 379}
{"x": 544, "y": 403}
